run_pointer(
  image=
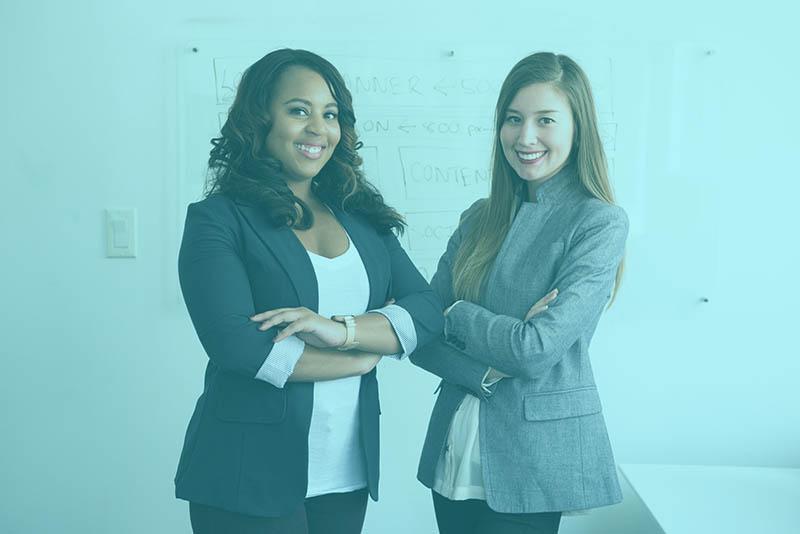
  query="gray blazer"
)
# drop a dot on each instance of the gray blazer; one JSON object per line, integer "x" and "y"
{"x": 543, "y": 440}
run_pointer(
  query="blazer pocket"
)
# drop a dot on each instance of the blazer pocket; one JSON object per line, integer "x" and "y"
{"x": 247, "y": 400}
{"x": 551, "y": 405}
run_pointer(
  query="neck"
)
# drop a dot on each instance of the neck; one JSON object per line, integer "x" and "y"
{"x": 301, "y": 189}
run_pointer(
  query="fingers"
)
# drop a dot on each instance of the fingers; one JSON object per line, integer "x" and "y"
{"x": 535, "y": 311}
{"x": 295, "y": 327}
{"x": 547, "y": 299}
{"x": 550, "y": 297}
{"x": 542, "y": 305}
{"x": 283, "y": 318}
{"x": 279, "y": 316}
{"x": 265, "y": 316}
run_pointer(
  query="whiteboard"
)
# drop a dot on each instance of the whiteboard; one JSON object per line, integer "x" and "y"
{"x": 425, "y": 116}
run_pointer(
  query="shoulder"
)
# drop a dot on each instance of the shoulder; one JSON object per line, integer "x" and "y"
{"x": 215, "y": 203}
{"x": 468, "y": 215}
{"x": 593, "y": 212}
{"x": 215, "y": 211}
{"x": 600, "y": 226}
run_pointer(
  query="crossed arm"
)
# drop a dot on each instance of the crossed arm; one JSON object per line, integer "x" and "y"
{"x": 218, "y": 295}
{"x": 478, "y": 339}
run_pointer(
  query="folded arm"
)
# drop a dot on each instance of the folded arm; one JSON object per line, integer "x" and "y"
{"x": 217, "y": 290}
{"x": 438, "y": 357}
{"x": 585, "y": 281}
{"x": 394, "y": 329}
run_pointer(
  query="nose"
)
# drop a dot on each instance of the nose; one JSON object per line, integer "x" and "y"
{"x": 315, "y": 124}
{"x": 528, "y": 134}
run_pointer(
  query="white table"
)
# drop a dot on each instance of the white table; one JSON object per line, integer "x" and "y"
{"x": 703, "y": 499}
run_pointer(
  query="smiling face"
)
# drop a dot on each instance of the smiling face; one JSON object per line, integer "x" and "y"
{"x": 537, "y": 132}
{"x": 304, "y": 127}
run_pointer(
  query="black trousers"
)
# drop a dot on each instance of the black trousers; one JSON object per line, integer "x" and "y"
{"x": 474, "y": 516}
{"x": 334, "y": 513}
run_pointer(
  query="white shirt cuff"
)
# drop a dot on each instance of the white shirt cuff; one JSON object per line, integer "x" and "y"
{"x": 488, "y": 382}
{"x": 280, "y": 362}
{"x": 403, "y": 326}
{"x": 453, "y": 305}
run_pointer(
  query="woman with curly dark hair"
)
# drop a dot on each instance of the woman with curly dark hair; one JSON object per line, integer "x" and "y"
{"x": 296, "y": 286}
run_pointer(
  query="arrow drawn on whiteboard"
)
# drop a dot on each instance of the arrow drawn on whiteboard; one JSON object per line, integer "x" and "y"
{"x": 406, "y": 126}
{"x": 474, "y": 129}
{"x": 441, "y": 85}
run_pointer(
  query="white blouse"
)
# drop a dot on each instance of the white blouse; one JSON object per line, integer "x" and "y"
{"x": 336, "y": 463}
{"x": 458, "y": 473}
{"x": 335, "y": 460}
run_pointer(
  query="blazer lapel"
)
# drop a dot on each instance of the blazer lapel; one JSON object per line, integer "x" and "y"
{"x": 289, "y": 252}
{"x": 364, "y": 241}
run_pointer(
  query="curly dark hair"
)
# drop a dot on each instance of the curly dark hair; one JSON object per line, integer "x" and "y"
{"x": 240, "y": 167}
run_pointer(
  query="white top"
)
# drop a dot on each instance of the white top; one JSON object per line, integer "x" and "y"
{"x": 335, "y": 460}
{"x": 282, "y": 358}
{"x": 336, "y": 464}
{"x": 458, "y": 472}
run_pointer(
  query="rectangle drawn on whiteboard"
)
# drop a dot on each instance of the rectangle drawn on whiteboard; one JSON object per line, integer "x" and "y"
{"x": 371, "y": 169}
{"x": 438, "y": 172}
{"x": 429, "y": 231}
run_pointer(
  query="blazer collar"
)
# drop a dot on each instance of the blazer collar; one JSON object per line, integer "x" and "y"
{"x": 289, "y": 252}
{"x": 555, "y": 189}
{"x": 293, "y": 257}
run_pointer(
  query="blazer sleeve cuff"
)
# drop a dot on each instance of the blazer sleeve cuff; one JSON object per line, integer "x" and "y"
{"x": 281, "y": 360}
{"x": 403, "y": 327}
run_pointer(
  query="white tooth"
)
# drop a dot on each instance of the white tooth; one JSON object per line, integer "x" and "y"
{"x": 311, "y": 149}
{"x": 530, "y": 157}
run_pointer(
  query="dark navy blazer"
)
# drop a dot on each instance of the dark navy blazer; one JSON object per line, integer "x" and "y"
{"x": 246, "y": 447}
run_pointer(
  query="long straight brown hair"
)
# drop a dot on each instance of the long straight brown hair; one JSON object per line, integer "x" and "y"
{"x": 480, "y": 246}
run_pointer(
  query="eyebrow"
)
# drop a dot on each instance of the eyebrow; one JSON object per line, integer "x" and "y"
{"x": 540, "y": 112}
{"x": 308, "y": 102}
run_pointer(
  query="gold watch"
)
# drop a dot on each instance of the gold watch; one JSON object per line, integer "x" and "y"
{"x": 350, "y": 325}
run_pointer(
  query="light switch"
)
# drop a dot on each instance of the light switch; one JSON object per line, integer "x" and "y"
{"x": 121, "y": 233}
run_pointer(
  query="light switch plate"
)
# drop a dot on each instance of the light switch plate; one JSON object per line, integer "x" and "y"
{"x": 121, "y": 233}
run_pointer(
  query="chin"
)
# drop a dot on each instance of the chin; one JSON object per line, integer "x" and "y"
{"x": 528, "y": 178}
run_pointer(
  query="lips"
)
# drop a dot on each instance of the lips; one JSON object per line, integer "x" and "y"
{"x": 310, "y": 151}
{"x": 530, "y": 158}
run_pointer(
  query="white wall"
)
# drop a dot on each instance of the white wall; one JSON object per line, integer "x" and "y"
{"x": 100, "y": 363}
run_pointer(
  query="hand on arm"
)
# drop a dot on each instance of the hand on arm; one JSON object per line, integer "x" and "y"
{"x": 541, "y": 305}
{"x": 585, "y": 281}
{"x": 374, "y": 332}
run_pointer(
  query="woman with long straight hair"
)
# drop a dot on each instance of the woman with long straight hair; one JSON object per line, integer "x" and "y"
{"x": 516, "y": 436}
{"x": 286, "y": 268}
